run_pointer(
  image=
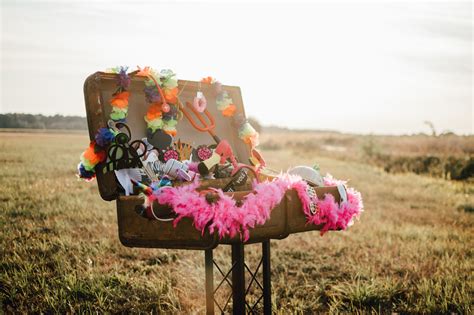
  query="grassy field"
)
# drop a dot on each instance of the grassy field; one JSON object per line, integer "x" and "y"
{"x": 446, "y": 156}
{"x": 411, "y": 252}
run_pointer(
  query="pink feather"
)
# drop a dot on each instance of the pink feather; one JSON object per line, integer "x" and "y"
{"x": 228, "y": 219}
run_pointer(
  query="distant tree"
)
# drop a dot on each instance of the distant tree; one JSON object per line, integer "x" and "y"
{"x": 14, "y": 120}
{"x": 447, "y": 133}
{"x": 432, "y": 127}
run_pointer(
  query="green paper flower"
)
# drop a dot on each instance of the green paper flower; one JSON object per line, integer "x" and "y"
{"x": 113, "y": 70}
{"x": 87, "y": 165}
{"x": 222, "y": 104}
{"x": 118, "y": 113}
{"x": 149, "y": 82}
{"x": 172, "y": 123}
{"x": 154, "y": 124}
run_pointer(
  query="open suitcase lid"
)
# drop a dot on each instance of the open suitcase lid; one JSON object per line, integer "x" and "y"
{"x": 98, "y": 90}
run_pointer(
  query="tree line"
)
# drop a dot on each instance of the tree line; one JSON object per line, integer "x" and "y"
{"x": 31, "y": 121}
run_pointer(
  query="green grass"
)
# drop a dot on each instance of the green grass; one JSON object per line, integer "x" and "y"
{"x": 411, "y": 251}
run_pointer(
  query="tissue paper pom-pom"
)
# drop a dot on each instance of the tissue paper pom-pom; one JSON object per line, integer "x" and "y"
{"x": 145, "y": 72}
{"x": 253, "y": 140}
{"x": 248, "y": 134}
{"x": 104, "y": 137}
{"x": 123, "y": 79}
{"x": 94, "y": 154}
{"x": 223, "y": 100}
{"x": 85, "y": 174}
{"x": 154, "y": 124}
{"x": 171, "y": 114}
{"x": 118, "y": 113}
{"x": 171, "y": 95}
{"x": 171, "y": 123}
{"x": 120, "y": 100}
{"x": 208, "y": 80}
{"x": 229, "y": 111}
{"x": 152, "y": 95}
{"x": 87, "y": 164}
{"x": 170, "y": 127}
{"x": 154, "y": 111}
{"x": 170, "y": 130}
{"x": 169, "y": 79}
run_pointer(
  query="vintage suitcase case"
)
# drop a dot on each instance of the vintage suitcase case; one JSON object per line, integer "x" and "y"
{"x": 137, "y": 231}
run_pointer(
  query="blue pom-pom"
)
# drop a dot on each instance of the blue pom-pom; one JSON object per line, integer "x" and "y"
{"x": 104, "y": 137}
{"x": 85, "y": 174}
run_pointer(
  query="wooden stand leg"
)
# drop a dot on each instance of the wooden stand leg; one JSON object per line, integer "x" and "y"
{"x": 238, "y": 279}
{"x": 209, "y": 281}
{"x": 267, "y": 284}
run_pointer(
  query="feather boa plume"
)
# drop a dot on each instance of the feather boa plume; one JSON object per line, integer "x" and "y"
{"x": 229, "y": 219}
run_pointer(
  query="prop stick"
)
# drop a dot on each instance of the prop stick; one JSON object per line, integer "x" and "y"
{"x": 205, "y": 127}
{"x": 147, "y": 190}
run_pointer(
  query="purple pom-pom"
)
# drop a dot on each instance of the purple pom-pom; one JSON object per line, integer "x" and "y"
{"x": 151, "y": 94}
{"x": 104, "y": 137}
{"x": 123, "y": 79}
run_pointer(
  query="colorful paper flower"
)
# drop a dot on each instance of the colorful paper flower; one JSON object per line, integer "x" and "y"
{"x": 225, "y": 104}
{"x": 171, "y": 95}
{"x": 151, "y": 93}
{"x": 229, "y": 111}
{"x": 120, "y": 100}
{"x": 104, "y": 137}
{"x": 123, "y": 80}
{"x": 168, "y": 79}
{"x": 85, "y": 174}
{"x": 145, "y": 72}
{"x": 94, "y": 154}
{"x": 118, "y": 114}
{"x": 170, "y": 127}
{"x": 154, "y": 111}
{"x": 208, "y": 80}
{"x": 248, "y": 134}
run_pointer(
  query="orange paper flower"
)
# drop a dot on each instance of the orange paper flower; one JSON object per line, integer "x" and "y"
{"x": 229, "y": 111}
{"x": 207, "y": 80}
{"x": 120, "y": 100}
{"x": 145, "y": 72}
{"x": 92, "y": 156}
{"x": 154, "y": 111}
{"x": 171, "y": 95}
{"x": 172, "y": 133}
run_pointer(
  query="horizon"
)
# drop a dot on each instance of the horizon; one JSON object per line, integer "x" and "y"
{"x": 271, "y": 126}
{"x": 365, "y": 68}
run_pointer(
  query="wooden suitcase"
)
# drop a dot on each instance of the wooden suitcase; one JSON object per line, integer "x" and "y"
{"x": 137, "y": 231}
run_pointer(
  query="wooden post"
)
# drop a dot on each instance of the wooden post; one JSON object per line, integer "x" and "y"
{"x": 209, "y": 281}
{"x": 267, "y": 284}
{"x": 238, "y": 280}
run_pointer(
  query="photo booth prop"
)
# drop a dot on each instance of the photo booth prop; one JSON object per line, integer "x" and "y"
{"x": 137, "y": 231}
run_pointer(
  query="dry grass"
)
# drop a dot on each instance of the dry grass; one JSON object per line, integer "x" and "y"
{"x": 411, "y": 252}
{"x": 446, "y": 156}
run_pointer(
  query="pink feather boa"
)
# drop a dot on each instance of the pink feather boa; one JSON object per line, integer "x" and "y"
{"x": 229, "y": 219}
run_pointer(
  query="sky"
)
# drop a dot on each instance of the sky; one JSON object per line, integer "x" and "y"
{"x": 363, "y": 67}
